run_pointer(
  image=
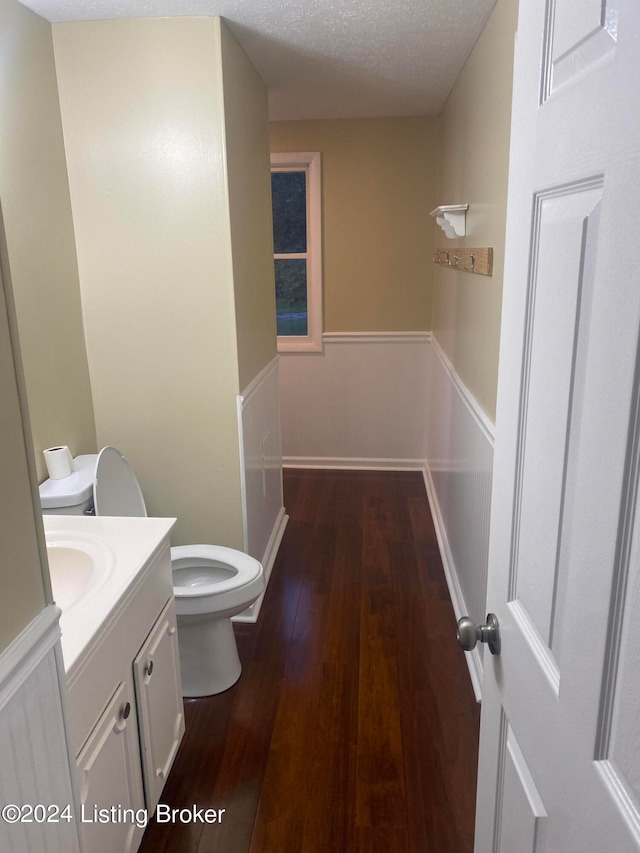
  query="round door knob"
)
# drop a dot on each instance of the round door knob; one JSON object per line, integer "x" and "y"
{"x": 469, "y": 633}
{"x": 126, "y": 710}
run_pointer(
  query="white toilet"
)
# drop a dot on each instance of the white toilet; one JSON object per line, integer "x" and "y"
{"x": 210, "y": 583}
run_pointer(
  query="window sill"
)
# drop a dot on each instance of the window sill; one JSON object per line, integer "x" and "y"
{"x": 294, "y": 345}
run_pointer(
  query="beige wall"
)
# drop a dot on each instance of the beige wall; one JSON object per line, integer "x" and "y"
{"x": 39, "y": 231}
{"x": 378, "y": 182}
{"x": 247, "y": 156}
{"x": 23, "y": 586}
{"x": 473, "y": 164}
{"x": 142, "y": 110}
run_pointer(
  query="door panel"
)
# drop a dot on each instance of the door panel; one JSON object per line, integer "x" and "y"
{"x": 521, "y": 817}
{"x": 564, "y": 224}
{"x": 579, "y": 34}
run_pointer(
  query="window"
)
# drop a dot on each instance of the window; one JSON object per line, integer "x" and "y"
{"x": 297, "y": 247}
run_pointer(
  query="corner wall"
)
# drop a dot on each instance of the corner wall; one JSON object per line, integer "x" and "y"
{"x": 142, "y": 111}
{"x": 40, "y": 241}
{"x": 246, "y": 125}
{"x": 23, "y": 587}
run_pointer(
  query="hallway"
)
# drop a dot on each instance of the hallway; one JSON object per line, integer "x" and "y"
{"x": 353, "y": 726}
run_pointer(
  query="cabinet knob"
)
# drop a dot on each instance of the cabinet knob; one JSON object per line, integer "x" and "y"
{"x": 149, "y": 668}
{"x": 126, "y": 710}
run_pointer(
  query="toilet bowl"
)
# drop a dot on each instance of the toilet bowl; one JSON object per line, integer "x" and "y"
{"x": 211, "y": 583}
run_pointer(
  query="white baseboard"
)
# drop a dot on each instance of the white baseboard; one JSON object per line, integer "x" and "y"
{"x": 271, "y": 552}
{"x": 457, "y": 598}
{"x": 352, "y": 463}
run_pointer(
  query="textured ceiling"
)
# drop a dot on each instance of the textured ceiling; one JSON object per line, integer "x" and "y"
{"x": 329, "y": 58}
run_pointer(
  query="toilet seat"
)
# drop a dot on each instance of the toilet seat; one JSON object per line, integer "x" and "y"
{"x": 243, "y": 569}
{"x": 198, "y": 594}
{"x": 116, "y": 490}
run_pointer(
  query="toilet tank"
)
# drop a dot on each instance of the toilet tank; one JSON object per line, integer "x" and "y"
{"x": 72, "y": 495}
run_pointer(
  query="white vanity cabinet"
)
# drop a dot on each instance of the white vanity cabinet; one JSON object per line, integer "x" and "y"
{"x": 125, "y": 707}
{"x": 156, "y": 673}
{"x": 109, "y": 768}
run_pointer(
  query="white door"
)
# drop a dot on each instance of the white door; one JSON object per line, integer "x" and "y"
{"x": 560, "y": 733}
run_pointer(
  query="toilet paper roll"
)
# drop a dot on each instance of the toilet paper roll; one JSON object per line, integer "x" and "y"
{"x": 59, "y": 462}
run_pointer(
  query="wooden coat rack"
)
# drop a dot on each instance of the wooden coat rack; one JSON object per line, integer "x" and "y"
{"x": 466, "y": 259}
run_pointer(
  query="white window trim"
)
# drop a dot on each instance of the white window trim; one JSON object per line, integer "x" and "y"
{"x": 309, "y": 161}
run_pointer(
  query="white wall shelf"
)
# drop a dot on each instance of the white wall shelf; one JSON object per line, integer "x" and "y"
{"x": 452, "y": 218}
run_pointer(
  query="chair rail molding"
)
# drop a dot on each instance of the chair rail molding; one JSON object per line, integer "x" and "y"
{"x": 375, "y": 337}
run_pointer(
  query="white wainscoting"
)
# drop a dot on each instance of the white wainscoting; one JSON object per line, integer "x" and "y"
{"x": 264, "y": 516}
{"x": 459, "y": 464}
{"x": 34, "y": 759}
{"x": 361, "y": 403}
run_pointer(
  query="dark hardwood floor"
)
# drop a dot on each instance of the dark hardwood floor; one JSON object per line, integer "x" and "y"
{"x": 353, "y": 726}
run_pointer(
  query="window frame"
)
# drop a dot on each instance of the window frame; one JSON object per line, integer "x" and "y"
{"x": 308, "y": 162}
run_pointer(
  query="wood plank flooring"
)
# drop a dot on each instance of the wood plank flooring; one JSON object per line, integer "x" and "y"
{"x": 353, "y": 727}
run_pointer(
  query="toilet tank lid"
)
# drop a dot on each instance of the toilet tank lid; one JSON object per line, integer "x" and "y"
{"x": 72, "y": 490}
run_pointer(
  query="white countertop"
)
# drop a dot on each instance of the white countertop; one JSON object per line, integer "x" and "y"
{"x": 133, "y": 541}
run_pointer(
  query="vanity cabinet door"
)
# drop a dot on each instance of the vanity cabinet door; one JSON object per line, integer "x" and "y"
{"x": 111, "y": 779}
{"x": 156, "y": 673}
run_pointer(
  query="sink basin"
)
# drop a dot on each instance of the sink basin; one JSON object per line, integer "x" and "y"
{"x": 79, "y": 564}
